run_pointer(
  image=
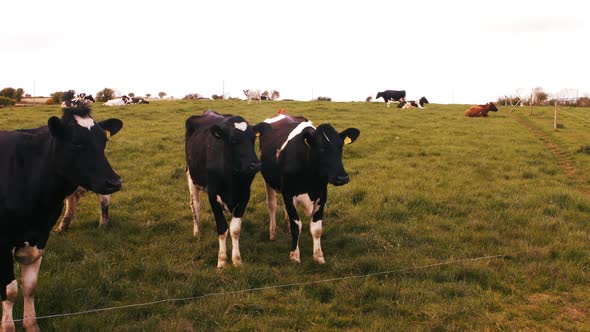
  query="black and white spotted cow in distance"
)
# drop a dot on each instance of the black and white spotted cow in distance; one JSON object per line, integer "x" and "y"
{"x": 412, "y": 103}
{"x": 299, "y": 161}
{"x": 253, "y": 94}
{"x": 389, "y": 96}
{"x": 221, "y": 161}
{"x": 39, "y": 168}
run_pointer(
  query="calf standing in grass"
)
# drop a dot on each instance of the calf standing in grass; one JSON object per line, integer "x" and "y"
{"x": 481, "y": 110}
{"x": 299, "y": 161}
{"x": 221, "y": 161}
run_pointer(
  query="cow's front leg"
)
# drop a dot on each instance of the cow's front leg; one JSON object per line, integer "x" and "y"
{"x": 7, "y": 324}
{"x": 315, "y": 227}
{"x": 29, "y": 277}
{"x": 235, "y": 227}
{"x": 222, "y": 230}
{"x": 295, "y": 224}
{"x": 195, "y": 203}
{"x": 104, "y": 209}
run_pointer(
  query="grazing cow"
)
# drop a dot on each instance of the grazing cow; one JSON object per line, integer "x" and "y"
{"x": 390, "y": 96}
{"x": 299, "y": 161}
{"x": 221, "y": 161}
{"x": 39, "y": 168}
{"x": 253, "y": 94}
{"x": 412, "y": 103}
{"x": 481, "y": 110}
{"x": 72, "y": 201}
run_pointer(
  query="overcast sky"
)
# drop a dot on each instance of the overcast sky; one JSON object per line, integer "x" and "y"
{"x": 449, "y": 51}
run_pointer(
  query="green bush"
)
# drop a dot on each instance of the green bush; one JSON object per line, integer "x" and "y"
{"x": 5, "y": 101}
{"x": 105, "y": 94}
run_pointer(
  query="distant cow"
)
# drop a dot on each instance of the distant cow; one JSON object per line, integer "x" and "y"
{"x": 253, "y": 94}
{"x": 412, "y": 103}
{"x": 390, "y": 96}
{"x": 299, "y": 161}
{"x": 481, "y": 110}
{"x": 39, "y": 168}
{"x": 81, "y": 99}
{"x": 221, "y": 161}
{"x": 138, "y": 100}
{"x": 124, "y": 100}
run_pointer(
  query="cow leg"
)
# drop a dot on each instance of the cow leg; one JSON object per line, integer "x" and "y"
{"x": 235, "y": 227}
{"x": 8, "y": 290}
{"x": 271, "y": 201}
{"x": 29, "y": 277}
{"x": 295, "y": 224}
{"x": 104, "y": 209}
{"x": 315, "y": 226}
{"x": 222, "y": 230}
{"x": 388, "y": 103}
{"x": 195, "y": 204}
{"x": 71, "y": 203}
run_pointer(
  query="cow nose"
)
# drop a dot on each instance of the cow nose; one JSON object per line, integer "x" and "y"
{"x": 255, "y": 166}
{"x": 341, "y": 180}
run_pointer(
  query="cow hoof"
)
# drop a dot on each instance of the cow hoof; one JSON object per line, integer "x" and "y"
{"x": 7, "y": 327}
{"x": 294, "y": 257}
{"x": 272, "y": 236}
{"x": 31, "y": 327}
{"x": 221, "y": 264}
{"x": 319, "y": 260}
{"x": 59, "y": 230}
{"x": 237, "y": 261}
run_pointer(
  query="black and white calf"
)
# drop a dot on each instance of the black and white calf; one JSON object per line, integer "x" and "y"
{"x": 221, "y": 161}
{"x": 390, "y": 96}
{"x": 299, "y": 161}
{"x": 412, "y": 103}
{"x": 39, "y": 168}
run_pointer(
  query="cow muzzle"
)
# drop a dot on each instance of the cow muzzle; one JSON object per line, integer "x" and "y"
{"x": 340, "y": 180}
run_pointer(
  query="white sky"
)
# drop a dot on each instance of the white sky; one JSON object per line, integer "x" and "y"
{"x": 449, "y": 51}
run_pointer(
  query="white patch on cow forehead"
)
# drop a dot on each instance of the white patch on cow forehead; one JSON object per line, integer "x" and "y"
{"x": 296, "y": 132}
{"x": 275, "y": 119}
{"x": 241, "y": 126}
{"x": 84, "y": 122}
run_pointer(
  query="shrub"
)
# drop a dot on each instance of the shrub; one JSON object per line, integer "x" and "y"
{"x": 324, "y": 99}
{"x": 192, "y": 96}
{"x": 10, "y": 93}
{"x": 5, "y": 101}
{"x": 57, "y": 97}
{"x": 216, "y": 97}
{"x": 105, "y": 94}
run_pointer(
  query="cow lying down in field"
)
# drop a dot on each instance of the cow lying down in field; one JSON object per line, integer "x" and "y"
{"x": 412, "y": 103}
{"x": 481, "y": 110}
{"x": 125, "y": 100}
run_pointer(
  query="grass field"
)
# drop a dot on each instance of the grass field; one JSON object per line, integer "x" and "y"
{"x": 430, "y": 190}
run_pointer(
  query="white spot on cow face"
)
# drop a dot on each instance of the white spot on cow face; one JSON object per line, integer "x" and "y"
{"x": 241, "y": 126}
{"x": 84, "y": 122}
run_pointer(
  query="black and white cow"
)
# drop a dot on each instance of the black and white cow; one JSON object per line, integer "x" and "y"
{"x": 390, "y": 96}
{"x": 39, "y": 168}
{"x": 138, "y": 100}
{"x": 253, "y": 94}
{"x": 70, "y": 98}
{"x": 71, "y": 203}
{"x": 412, "y": 103}
{"x": 221, "y": 161}
{"x": 299, "y": 161}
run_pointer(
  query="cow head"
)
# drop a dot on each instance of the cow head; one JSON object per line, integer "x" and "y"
{"x": 326, "y": 145}
{"x": 493, "y": 107}
{"x": 79, "y": 149}
{"x": 379, "y": 94}
{"x": 423, "y": 100}
{"x": 237, "y": 138}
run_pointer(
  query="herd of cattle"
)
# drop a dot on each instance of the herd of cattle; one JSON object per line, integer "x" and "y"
{"x": 47, "y": 166}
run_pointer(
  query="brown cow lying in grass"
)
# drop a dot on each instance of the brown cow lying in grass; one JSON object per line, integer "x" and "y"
{"x": 481, "y": 110}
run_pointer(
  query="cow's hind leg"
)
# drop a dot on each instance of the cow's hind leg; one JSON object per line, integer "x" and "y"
{"x": 271, "y": 201}
{"x": 195, "y": 204}
{"x": 104, "y": 209}
{"x": 295, "y": 224}
{"x": 30, "y": 273}
{"x": 71, "y": 203}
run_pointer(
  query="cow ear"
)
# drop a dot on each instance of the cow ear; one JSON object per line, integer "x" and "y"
{"x": 219, "y": 132}
{"x": 350, "y": 135}
{"x": 55, "y": 127}
{"x": 111, "y": 126}
{"x": 262, "y": 128}
{"x": 307, "y": 137}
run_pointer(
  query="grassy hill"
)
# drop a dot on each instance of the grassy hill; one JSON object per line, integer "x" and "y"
{"x": 407, "y": 242}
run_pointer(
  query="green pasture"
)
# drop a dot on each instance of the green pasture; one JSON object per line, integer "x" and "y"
{"x": 430, "y": 190}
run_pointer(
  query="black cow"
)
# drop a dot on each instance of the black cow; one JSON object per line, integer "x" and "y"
{"x": 138, "y": 100}
{"x": 390, "y": 96}
{"x": 412, "y": 103}
{"x": 72, "y": 201}
{"x": 39, "y": 168}
{"x": 221, "y": 161}
{"x": 299, "y": 161}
